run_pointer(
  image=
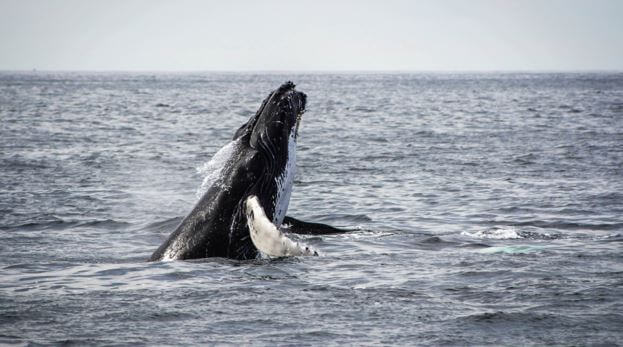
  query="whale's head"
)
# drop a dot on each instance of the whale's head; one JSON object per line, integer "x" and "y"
{"x": 272, "y": 133}
{"x": 277, "y": 121}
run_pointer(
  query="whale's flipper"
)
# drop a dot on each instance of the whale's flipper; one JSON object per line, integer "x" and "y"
{"x": 265, "y": 235}
{"x": 296, "y": 226}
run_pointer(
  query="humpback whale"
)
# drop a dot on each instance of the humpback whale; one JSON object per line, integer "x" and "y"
{"x": 240, "y": 213}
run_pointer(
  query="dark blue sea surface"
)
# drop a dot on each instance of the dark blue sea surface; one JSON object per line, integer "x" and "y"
{"x": 485, "y": 209}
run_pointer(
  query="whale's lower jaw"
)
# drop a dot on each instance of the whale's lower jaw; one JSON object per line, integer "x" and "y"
{"x": 266, "y": 237}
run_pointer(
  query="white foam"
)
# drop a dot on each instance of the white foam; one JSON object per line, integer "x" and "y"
{"x": 213, "y": 169}
{"x": 502, "y": 233}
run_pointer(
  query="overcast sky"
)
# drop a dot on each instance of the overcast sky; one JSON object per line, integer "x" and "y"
{"x": 311, "y": 35}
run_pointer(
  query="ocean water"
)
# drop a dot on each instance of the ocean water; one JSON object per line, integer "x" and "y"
{"x": 485, "y": 209}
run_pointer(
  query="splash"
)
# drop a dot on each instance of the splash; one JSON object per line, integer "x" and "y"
{"x": 213, "y": 169}
{"x": 502, "y": 233}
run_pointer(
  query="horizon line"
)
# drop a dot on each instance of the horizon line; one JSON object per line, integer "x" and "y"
{"x": 319, "y": 71}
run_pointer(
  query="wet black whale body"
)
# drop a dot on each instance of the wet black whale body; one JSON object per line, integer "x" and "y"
{"x": 262, "y": 164}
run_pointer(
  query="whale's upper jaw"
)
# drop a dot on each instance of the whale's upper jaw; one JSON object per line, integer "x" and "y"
{"x": 277, "y": 118}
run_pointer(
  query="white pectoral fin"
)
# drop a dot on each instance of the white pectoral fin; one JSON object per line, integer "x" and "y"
{"x": 267, "y": 237}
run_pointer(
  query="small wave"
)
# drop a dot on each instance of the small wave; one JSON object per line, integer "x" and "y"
{"x": 364, "y": 234}
{"x": 59, "y": 224}
{"x": 39, "y": 225}
{"x": 164, "y": 225}
{"x": 616, "y": 106}
{"x": 611, "y": 238}
{"x": 434, "y": 243}
{"x": 504, "y": 233}
{"x": 609, "y": 197}
{"x": 526, "y": 159}
{"x": 363, "y": 109}
{"x": 104, "y": 223}
{"x": 565, "y": 225}
{"x": 501, "y": 317}
{"x": 354, "y": 218}
{"x": 214, "y": 167}
{"x": 559, "y": 224}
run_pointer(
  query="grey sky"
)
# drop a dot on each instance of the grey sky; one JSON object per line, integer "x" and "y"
{"x": 311, "y": 35}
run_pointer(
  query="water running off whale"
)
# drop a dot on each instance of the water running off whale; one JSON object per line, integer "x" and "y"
{"x": 247, "y": 191}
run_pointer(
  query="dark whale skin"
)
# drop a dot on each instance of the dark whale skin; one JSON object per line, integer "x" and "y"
{"x": 217, "y": 226}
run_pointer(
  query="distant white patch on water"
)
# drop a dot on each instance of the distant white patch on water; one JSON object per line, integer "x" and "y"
{"x": 502, "y": 233}
{"x": 362, "y": 233}
{"x": 518, "y": 249}
{"x": 213, "y": 169}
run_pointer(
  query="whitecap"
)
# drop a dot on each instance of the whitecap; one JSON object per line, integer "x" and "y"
{"x": 501, "y": 233}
